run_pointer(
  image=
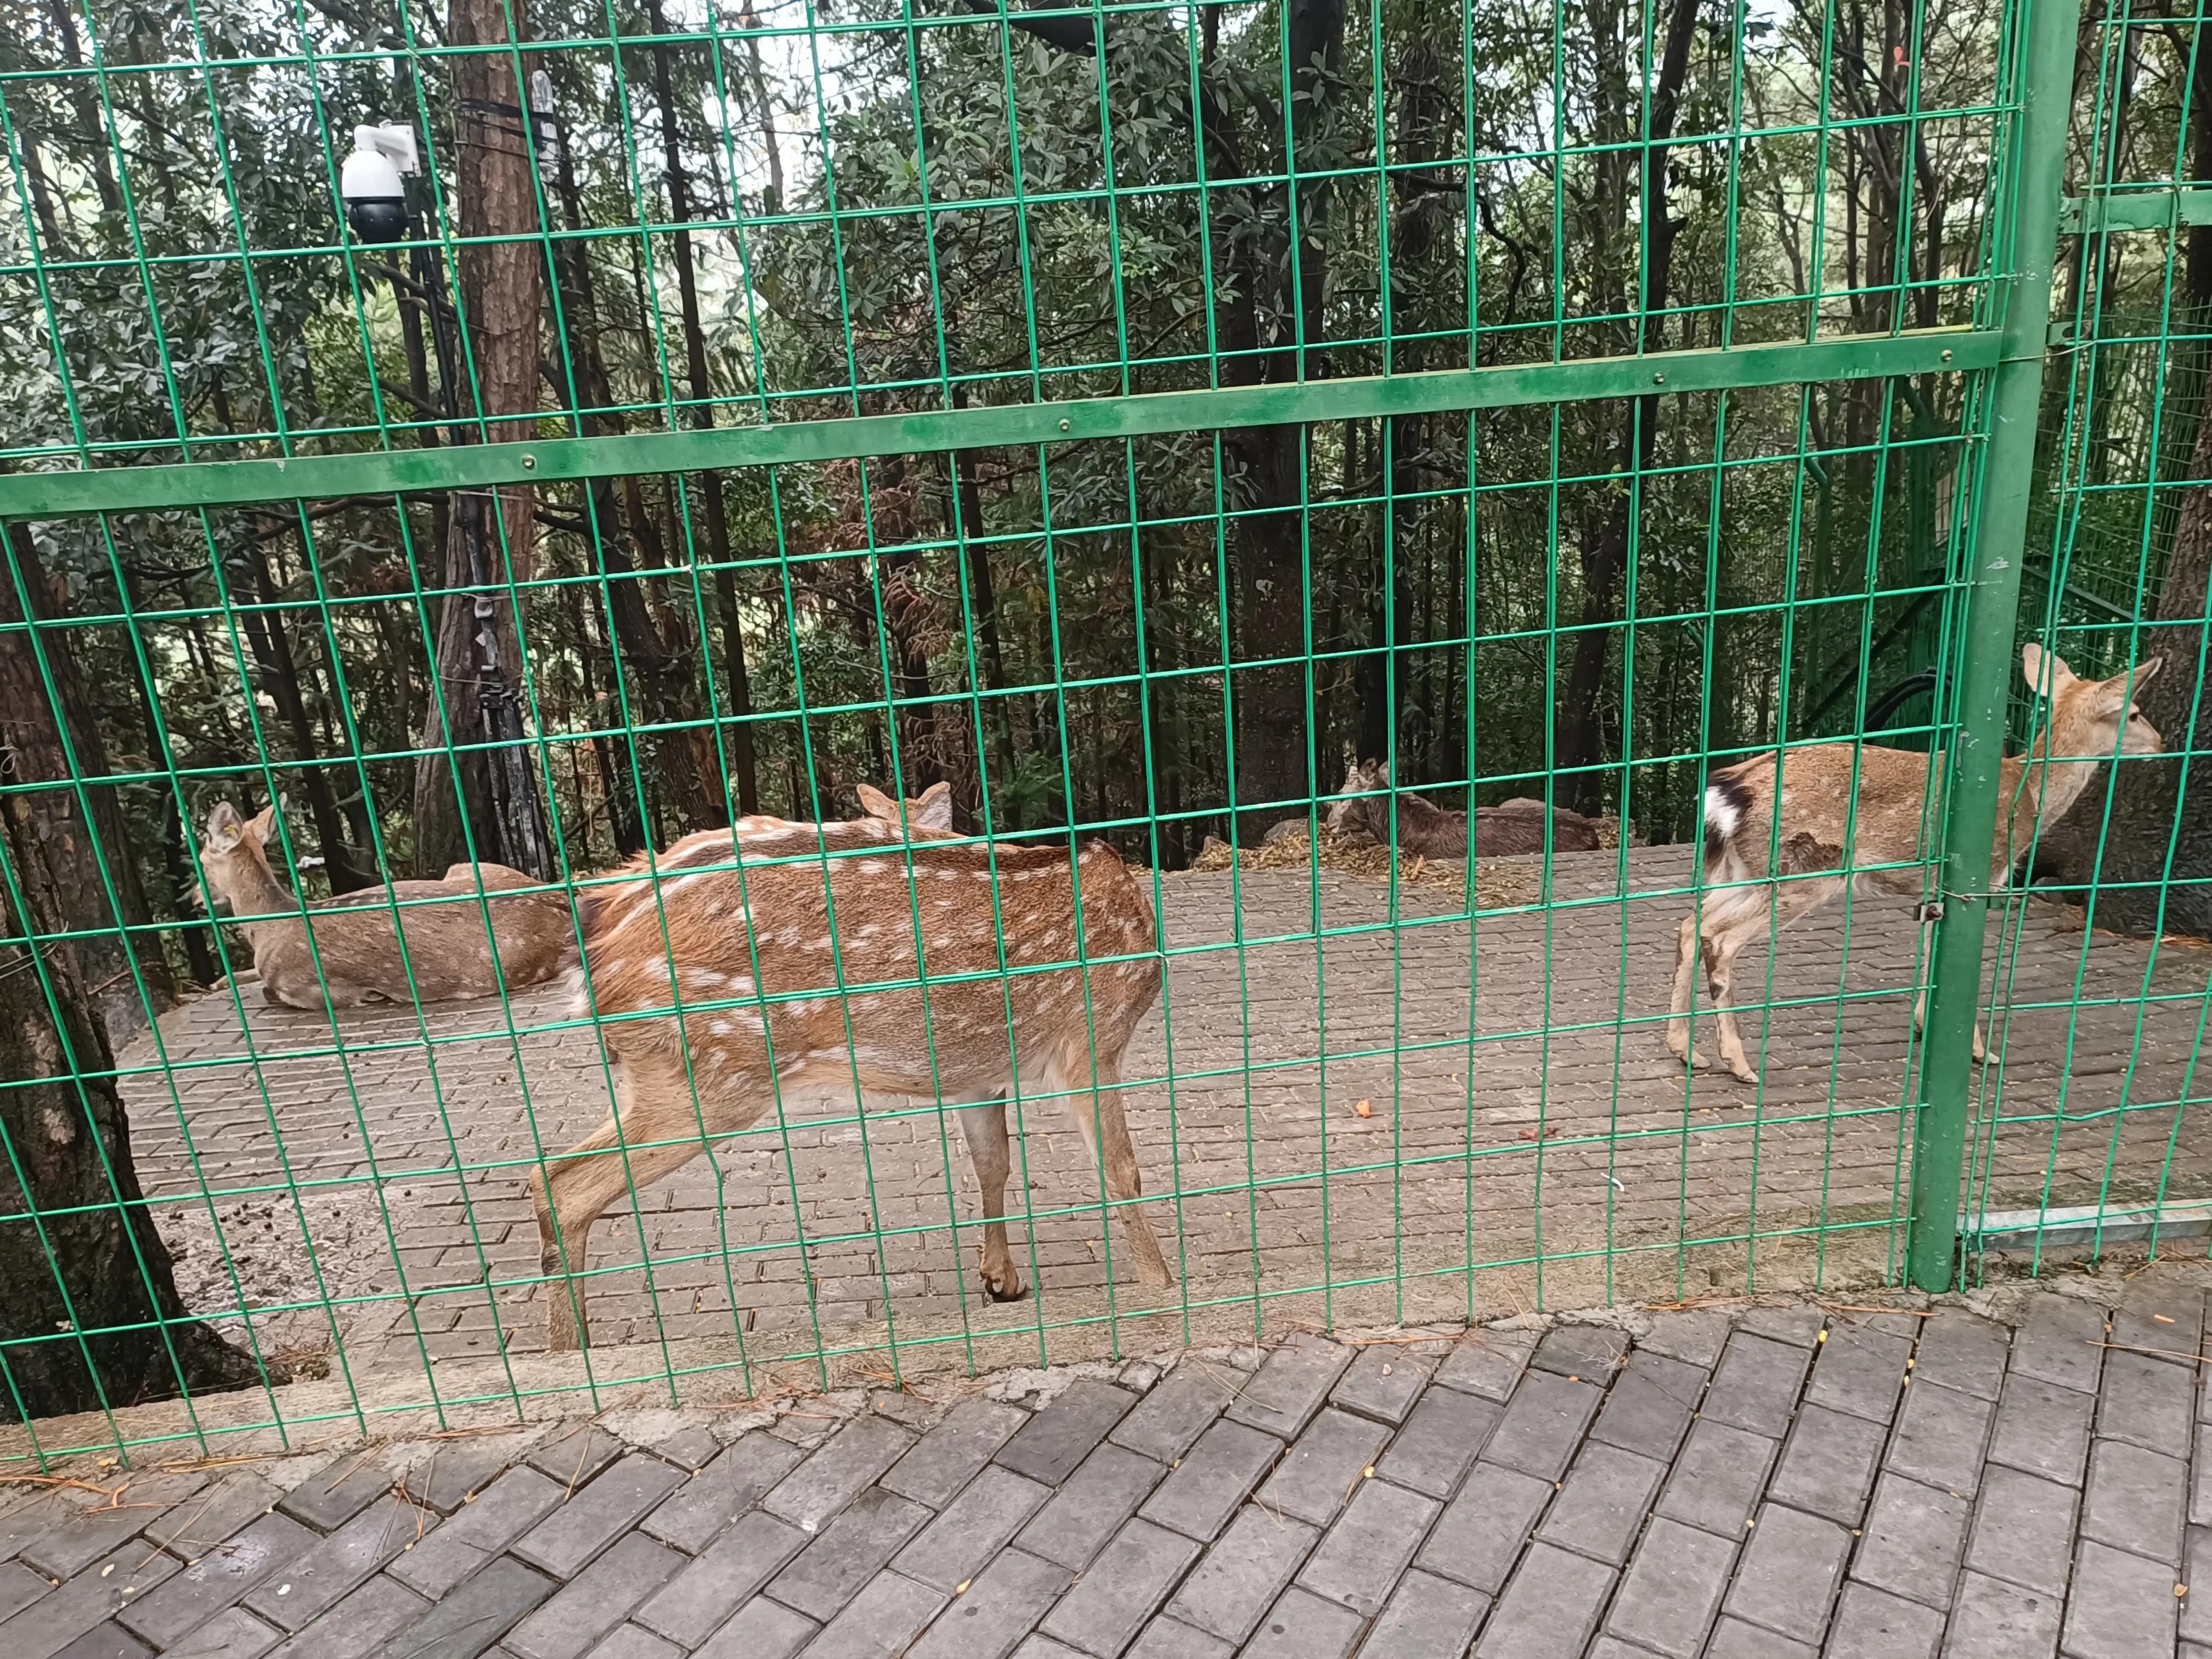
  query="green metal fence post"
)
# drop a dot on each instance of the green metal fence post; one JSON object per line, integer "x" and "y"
{"x": 2029, "y": 197}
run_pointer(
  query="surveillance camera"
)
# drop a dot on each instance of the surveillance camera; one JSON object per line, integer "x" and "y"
{"x": 373, "y": 184}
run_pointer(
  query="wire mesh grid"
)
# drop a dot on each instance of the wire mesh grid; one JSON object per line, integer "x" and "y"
{"x": 1314, "y": 499}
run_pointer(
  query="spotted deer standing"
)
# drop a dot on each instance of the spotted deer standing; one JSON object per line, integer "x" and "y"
{"x": 1748, "y": 901}
{"x": 742, "y": 928}
{"x": 355, "y": 956}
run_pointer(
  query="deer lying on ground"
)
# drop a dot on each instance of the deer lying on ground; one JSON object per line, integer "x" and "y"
{"x": 355, "y": 942}
{"x": 2087, "y": 718}
{"x": 741, "y": 929}
{"x": 1427, "y": 830}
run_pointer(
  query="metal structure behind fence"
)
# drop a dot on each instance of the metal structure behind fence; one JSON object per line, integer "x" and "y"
{"x": 1105, "y": 427}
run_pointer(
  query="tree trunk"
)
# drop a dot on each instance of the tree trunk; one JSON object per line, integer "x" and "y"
{"x": 479, "y": 660}
{"x": 89, "y": 1313}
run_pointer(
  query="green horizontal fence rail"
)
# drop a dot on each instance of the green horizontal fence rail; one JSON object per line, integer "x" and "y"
{"x": 1221, "y": 459}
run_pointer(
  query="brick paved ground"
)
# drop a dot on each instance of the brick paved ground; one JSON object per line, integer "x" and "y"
{"x": 373, "y": 1136}
{"x": 1718, "y": 1482}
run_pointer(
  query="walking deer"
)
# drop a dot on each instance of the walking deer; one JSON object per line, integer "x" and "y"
{"x": 1427, "y": 830}
{"x": 1750, "y": 900}
{"x": 771, "y": 909}
{"x": 355, "y": 956}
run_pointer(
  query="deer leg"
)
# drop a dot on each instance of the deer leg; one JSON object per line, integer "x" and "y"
{"x": 653, "y": 1133}
{"x": 1685, "y": 992}
{"x": 1720, "y": 953}
{"x": 1920, "y": 1002}
{"x": 1106, "y": 1132}
{"x": 985, "y": 1127}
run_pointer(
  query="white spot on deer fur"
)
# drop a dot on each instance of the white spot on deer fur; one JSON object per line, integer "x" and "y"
{"x": 1721, "y": 814}
{"x": 822, "y": 944}
{"x": 871, "y": 867}
{"x": 721, "y": 1028}
{"x": 703, "y": 977}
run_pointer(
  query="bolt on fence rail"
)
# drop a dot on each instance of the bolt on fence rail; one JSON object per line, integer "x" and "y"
{"x": 748, "y": 698}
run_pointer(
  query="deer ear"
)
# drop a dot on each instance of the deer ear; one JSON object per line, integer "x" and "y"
{"x": 2035, "y": 662}
{"x": 223, "y": 828}
{"x": 2145, "y": 670}
{"x": 876, "y": 803}
{"x": 262, "y": 824}
{"x": 934, "y": 809}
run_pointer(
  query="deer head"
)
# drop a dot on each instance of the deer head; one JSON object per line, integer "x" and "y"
{"x": 2089, "y": 717}
{"x": 930, "y": 812}
{"x": 235, "y": 854}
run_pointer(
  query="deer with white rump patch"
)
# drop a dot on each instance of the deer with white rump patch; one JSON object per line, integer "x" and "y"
{"x": 355, "y": 956}
{"x": 770, "y": 908}
{"x": 2086, "y": 722}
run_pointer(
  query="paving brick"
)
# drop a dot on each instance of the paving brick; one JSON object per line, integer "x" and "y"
{"x": 1487, "y": 1362}
{"x": 1994, "y": 1620}
{"x": 1550, "y": 1607}
{"x": 761, "y": 1629}
{"x": 1170, "y": 1638}
{"x": 1050, "y": 1445}
{"x": 94, "y": 1596}
{"x": 1828, "y": 1464}
{"x": 1649, "y": 1407}
{"x": 1318, "y": 1472}
{"x": 2043, "y": 1427}
{"x": 1383, "y": 1382}
{"x": 1693, "y": 1336}
{"x": 1359, "y": 1558}
{"x": 575, "y": 1457}
{"x": 567, "y": 1540}
{"x": 83, "y": 1535}
{"x": 689, "y": 1449}
{"x": 1479, "y": 1536}
{"x": 1600, "y": 1508}
{"x": 693, "y": 1604}
{"x": 475, "y": 1616}
{"x": 333, "y": 1567}
{"x": 23, "y": 1519}
{"x": 845, "y": 1466}
{"x": 690, "y": 1517}
{"x": 1168, "y": 1421}
{"x": 2200, "y": 1486}
{"x": 2055, "y": 1341}
{"x": 596, "y": 1600}
{"x": 1717, "y": 1479}
{"x": 337, "y": 1491}
{"x": 498, "y": 1516}
{"x": 456, "y": 1470}
{"x": 1427, "y": 1618}
{"x": 2136, "y": 1500}
{"x": 1285, "y": 1392}
{"x": 1240, "y": 1577}
{"x": 1734, "y": 1639}
{"x": 860, "y": 1544}
{"x": 1942, "y": 1437}
{"x": 2160, "y": 1313}
{"x": 2148, "y": 1402}
{"x": 106, "y": 1641}
{"x": 1044, "y": 1647}
{"x": 956, "y": 1544}
{"x": 1859, "y": 1372}
{"x": 233, "y": 1633}
{"x": 1786, "y": 1578}
{"x": 1001, "y": 1607}
{"x": 1755, "y": 1386}
{"x": 880, "y": 1623}
{"x": 1302, "y": 1625}
{"x": 946, "y": 1459}
{"x": 1668, "y": 1602}
{"x": 1219, "y": 1475}
{"x": 1593, "y": 1352}
{"x": 1797, "y": 1324}
{"x": 2119, "y": 1605}
{"x": 1543, "y": 1424}
{"x": 1962, "y": 1351}
{"x": 217, "y": 1580}
{"x": 2023, "y": 1531}
{"x": 20, "y": 1587}
{"x": 1440, "y": 1441}
{"x": 1075, "y": 1522}
{"x": 1912, "y": 1541}
{"x": 203, "y": 1521}
{"x": 2196, "y": 1606}
{"x": 628, "y": 1642}
{"x": 359, "y": 1624}
{"x": 1125, "y": 1587}
{"x": 1871, "y": 1624}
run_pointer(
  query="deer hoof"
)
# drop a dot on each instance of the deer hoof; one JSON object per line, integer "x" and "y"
{"x": 1008, "y": 1289}
{"x": 1742, "y": 1073}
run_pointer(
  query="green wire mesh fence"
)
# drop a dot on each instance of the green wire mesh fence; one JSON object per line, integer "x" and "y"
{"x": 1337, "y": 522}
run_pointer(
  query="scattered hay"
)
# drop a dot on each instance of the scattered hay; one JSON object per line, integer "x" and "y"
{"x": 1499, "y": 884}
